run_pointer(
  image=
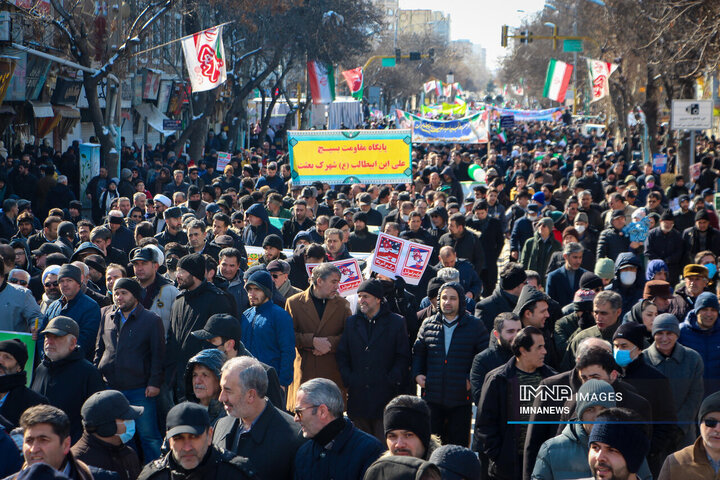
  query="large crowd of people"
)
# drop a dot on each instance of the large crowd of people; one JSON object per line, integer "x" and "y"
{"x": 565, "y": 327}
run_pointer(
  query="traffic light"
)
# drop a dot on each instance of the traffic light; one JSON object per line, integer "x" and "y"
{"x": 504, "y": 36}
{"x": 526, "y": 36}
{"x": 414, "y": 56}
{"x": 555, "y": 39}
{"x": 398, "y": 55}
{"x": 431, "y": 55}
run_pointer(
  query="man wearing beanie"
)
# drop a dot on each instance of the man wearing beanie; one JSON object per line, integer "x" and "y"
{"x": 272, "y": 247}
{"x": 580, "y": 318}
{"x": 406, "y": 426}
{"x": 628, "y": 342}
{"x": 196, "y": 302}
{"x": 267, "y": 329}
{"x": 682, "y": 366}
{"x": 442, "y": 357}
{"x": 701, "y": 236}
{"x": 16, "y": 397}
{"x": 373, "y": 357}
{"x": 505, "y": 296}
{"x": 433, "y": 288}
{"x": 701, "y": 332}
{"x": 617, "y": 448}
{"x": 700, "y": 460}
{"x": 130, "y": 356}
{"x": 361, "y": 240}
{"x": 78, "y": 306}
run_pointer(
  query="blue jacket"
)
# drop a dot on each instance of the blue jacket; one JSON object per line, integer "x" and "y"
{"x": 350, "y": 455}
{"x": 276, "y": 183}
{"x": 469, "y": 279}
{"x": 706, "y": 343}
{"x": 11, "y": 460}
{"x": 522, "y": 230}
{"x": 254, "y": 236}
{"x": 86, "y": 313}
{"x": 558, "y": 285}
{"x": 268, "y": 333}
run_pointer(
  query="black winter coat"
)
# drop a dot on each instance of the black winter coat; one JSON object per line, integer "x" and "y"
{"x": 292, "y": 228}
{"x": 446, "y": 375}
{"x": 612, "y": 243}
{"x": 374, "y": 361}
{"x": 67, "y": 383}
{"x": 666, "y": 247}
{"x": 362, "y": 242}
{"x": 190, "y": 311}
{"x": 121, "y": 459}
{"x": 468, "y": 247}
{"x": 489, "y": 359}
{"x": 18, "y": 399}
{"x": 217, "y": 465}
{"x": 270, "y": 445}
{"x": 691, "y": 239}
{"x": 489, "y": 308}
{"x": 130, "y": 355}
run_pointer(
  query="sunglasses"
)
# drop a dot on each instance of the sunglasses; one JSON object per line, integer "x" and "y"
{"x": 299, "y": 411}
{"x": 711, "y": 422}
{"x": 275, "y": 275}
{"x": 51, "y": 284}
{"x": 17, "y": 281}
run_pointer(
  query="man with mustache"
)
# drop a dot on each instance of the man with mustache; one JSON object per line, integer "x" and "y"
{"x": 15, "y": 396}
{"x": 406, "y": 421}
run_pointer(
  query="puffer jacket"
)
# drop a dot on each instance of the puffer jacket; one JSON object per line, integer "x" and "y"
{"x": 704, "y": 342}
{"x": 254, "y": 236}
{"x": 446, "y": 375}
{"x": 612, "y": 243}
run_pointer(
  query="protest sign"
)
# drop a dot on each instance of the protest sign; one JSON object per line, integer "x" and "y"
{"x": 350, "y": 156}
{"x": 395, "y": 257}
{"x": 254, "y": 253}
{"x": 547, "y": 115}
{"x": 660, "y": 162}
{"x": 351, "y": 276}
{"x": 29, "y": 343}
{"x": 223, "y": 161}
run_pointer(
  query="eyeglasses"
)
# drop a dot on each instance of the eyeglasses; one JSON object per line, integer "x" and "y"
{"x": 711, "y": 422}
{"x": 276, "y": 275}
{"x": 299, "y": 411}
{"x": 51, "y": 284}
{"x": 17, "y": 281}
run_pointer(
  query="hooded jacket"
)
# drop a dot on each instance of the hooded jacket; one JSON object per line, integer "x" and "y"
{"x": 254, "y": 236}
{"x": 454, "y": 187}
{"x": 632, "y": 293}
{"x": 705, "y": 342}
{"x": 212, "y": 359}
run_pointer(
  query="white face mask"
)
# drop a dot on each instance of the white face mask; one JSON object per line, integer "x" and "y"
{"x": 405, "y": 218}
{"x": 627, "y": 278}
{"x": 580, "y": 228}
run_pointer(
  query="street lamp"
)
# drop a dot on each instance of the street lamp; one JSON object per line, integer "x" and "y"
{"x": 450, "y": 80}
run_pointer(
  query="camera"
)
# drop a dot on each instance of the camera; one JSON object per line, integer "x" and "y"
{"x": 693, "y": 109}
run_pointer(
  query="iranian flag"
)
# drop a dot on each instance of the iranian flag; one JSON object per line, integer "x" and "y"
{"x": 205, "y": 59}
{"x": 557, "y": 80}
{"x": 322, "y": 82}
{"x": 355, "y": 82}
{"x": 600, "y": 72}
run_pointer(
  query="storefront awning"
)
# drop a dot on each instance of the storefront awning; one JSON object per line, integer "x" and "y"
{"x": 42, "y": 109}
{"x": 154, "y": 117}
{"x": 66, "y": 111}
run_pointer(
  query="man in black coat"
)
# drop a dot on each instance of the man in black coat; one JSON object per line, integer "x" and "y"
{"x": 65, "y": 376}
{"x": 666, "y": 244}
{"x": 373, "y": 358}
{"x": 298, "y": 222}
{"x": 361, "y": 240}
{"x": 594, "y": 361}
{"x": 501, "y": 402}
{"x": 442, "y": 356}
{"x": 465, "y": 242}
{"x": 16, "y": 396}
{"x": 612, "y": 241}
{"x": 701, "y": 237}
{"x": 504, "y": 297}
{"x": 274, "y": 438}
{"x": 196, "y": 302}
{"x": 492, "y": 241}
{"x": 192, "y": 452}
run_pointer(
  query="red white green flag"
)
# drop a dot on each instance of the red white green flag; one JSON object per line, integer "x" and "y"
{"x": 205, "y": 59}
{"x": 557, "y": 80}
{"x": 600, "y": 72}
{"x": 322, "y": 82}
{"x": 355, "y": 82}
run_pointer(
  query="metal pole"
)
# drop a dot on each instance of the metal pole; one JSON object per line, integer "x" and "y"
{"x": 574, "y": 72}
{"x": 692, "y": 147}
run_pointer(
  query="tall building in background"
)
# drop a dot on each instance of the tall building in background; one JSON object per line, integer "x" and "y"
{"x": 424, "y": 22}
{"x": 389, "y": 8}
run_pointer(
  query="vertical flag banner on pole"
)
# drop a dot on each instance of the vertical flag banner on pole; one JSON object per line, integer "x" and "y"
{"x": 557, "y": 80}
{"x": 355, "y": 82}
{"x": 322, "y": 82}
{"x": 599, "y": 75}
{"x": 205, "y": 59}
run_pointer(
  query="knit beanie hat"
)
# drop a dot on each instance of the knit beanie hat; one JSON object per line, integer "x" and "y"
{"x": 456, "y": 462}
{"x": 605, "y": 268}
{"x": 705, "y": 300}
{"x": 373, "y": 287}
{"x": 273, "y": 240}
{"x": 16, "y": 348}
{"x": 515, "y": 277}
{"x": 628, "y": 439}
{"x": 632, "y": 332}
{"x": 194, "y": 264}
{"x": 593, "y": 393}
{"x": 129, "y": 284}
{"x": 666, "y": 322}
{"x": 408, "y": 418}
{"x": 710, "y": 404}
{"x": 262, "y": 280}
{"x": 70, "y": 271}
{"x": 590, "y": 281}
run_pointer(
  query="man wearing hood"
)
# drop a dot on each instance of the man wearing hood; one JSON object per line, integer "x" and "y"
{"x": 258, "y": 226}
{"x": 451, "y": 184}
{"x": 439, "y": 218}
{"x": 202, "y": 381}
{"x": 629, "y": 281}
{"x": 441, "y": 366}
{"x": 628, "y": 342}
{"x": 701, "y": 332}
{"x": 16, "y": 397}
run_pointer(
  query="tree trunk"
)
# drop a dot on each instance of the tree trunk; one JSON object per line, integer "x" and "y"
{"x": 686, "y": 90}
{"x": 650, "y": 107}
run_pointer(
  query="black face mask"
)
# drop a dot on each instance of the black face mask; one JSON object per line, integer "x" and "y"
{"x": 172, "y": 263}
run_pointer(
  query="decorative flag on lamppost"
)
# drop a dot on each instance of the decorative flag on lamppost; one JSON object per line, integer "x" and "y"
{"x": 557, "y": 80}
{"x": 599, "y": 75}
{"x": 355, "y": 82}
{"x": 322, "y": 82}
{"x": 205, "y": 59}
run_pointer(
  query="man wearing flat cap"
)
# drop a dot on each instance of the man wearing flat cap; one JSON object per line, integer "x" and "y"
{"x": 696, "y": 280}
{"x": 16, "y": 397}
{"x": 130, "y": 354}
{"x": 280, "y": 272}
{"x": 373, "y": 357}
{"x": 189, "y": 436}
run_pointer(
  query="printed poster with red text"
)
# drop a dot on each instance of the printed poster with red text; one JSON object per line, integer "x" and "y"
{"x": 351, "y": 276}
{"x": 395, "y": 257}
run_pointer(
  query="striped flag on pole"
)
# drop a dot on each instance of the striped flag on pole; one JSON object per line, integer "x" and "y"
{"x": 557, "y": 80}
{"x": 322, "y": 82}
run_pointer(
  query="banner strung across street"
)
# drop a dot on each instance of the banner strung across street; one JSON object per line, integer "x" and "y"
{"x": 445, "y": 109}
{"x": 351, "y": 276}
{"x": 350, "y": 156}
{"x": 473, "y": 129}
{"x": 254, "y": 253}
{"x": 395, "y": 257}
{"x": 547, "y": 115}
